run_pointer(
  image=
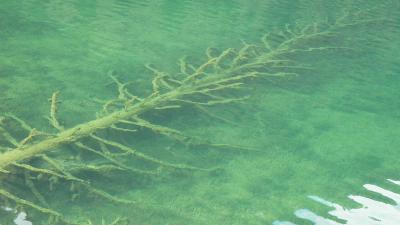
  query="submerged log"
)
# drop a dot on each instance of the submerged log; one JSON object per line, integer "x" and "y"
{"x": 216, "y": 81}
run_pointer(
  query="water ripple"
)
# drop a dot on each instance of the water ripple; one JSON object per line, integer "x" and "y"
{"x": 371, "y": 212}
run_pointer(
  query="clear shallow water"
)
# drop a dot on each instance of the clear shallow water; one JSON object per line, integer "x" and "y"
{"x": 325, "y": 133}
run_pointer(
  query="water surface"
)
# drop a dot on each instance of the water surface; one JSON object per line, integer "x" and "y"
{"x": 325, "y": 133}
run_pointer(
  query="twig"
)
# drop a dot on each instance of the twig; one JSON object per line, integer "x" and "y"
{"x": 53, "y": 111}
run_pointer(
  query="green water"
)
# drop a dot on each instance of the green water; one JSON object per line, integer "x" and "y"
{"x": 326, "y": 132}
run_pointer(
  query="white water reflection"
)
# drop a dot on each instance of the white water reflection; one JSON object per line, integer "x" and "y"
{"x": 372, "y": 212}
{"x": 20, "y": 218}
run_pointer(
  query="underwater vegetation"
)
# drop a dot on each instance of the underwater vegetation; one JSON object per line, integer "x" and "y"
{"x": 42, "y": 161}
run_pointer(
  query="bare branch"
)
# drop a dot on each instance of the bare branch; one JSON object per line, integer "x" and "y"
{"x": 53, "y": 111}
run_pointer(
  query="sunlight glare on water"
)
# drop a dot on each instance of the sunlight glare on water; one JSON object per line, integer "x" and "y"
{"x": 371, "y": 212}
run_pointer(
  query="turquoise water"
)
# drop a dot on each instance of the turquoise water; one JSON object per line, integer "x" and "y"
{"x": 325, "y": 132}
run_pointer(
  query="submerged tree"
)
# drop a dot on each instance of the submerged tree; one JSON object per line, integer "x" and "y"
{"x": 31, "y": 158}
